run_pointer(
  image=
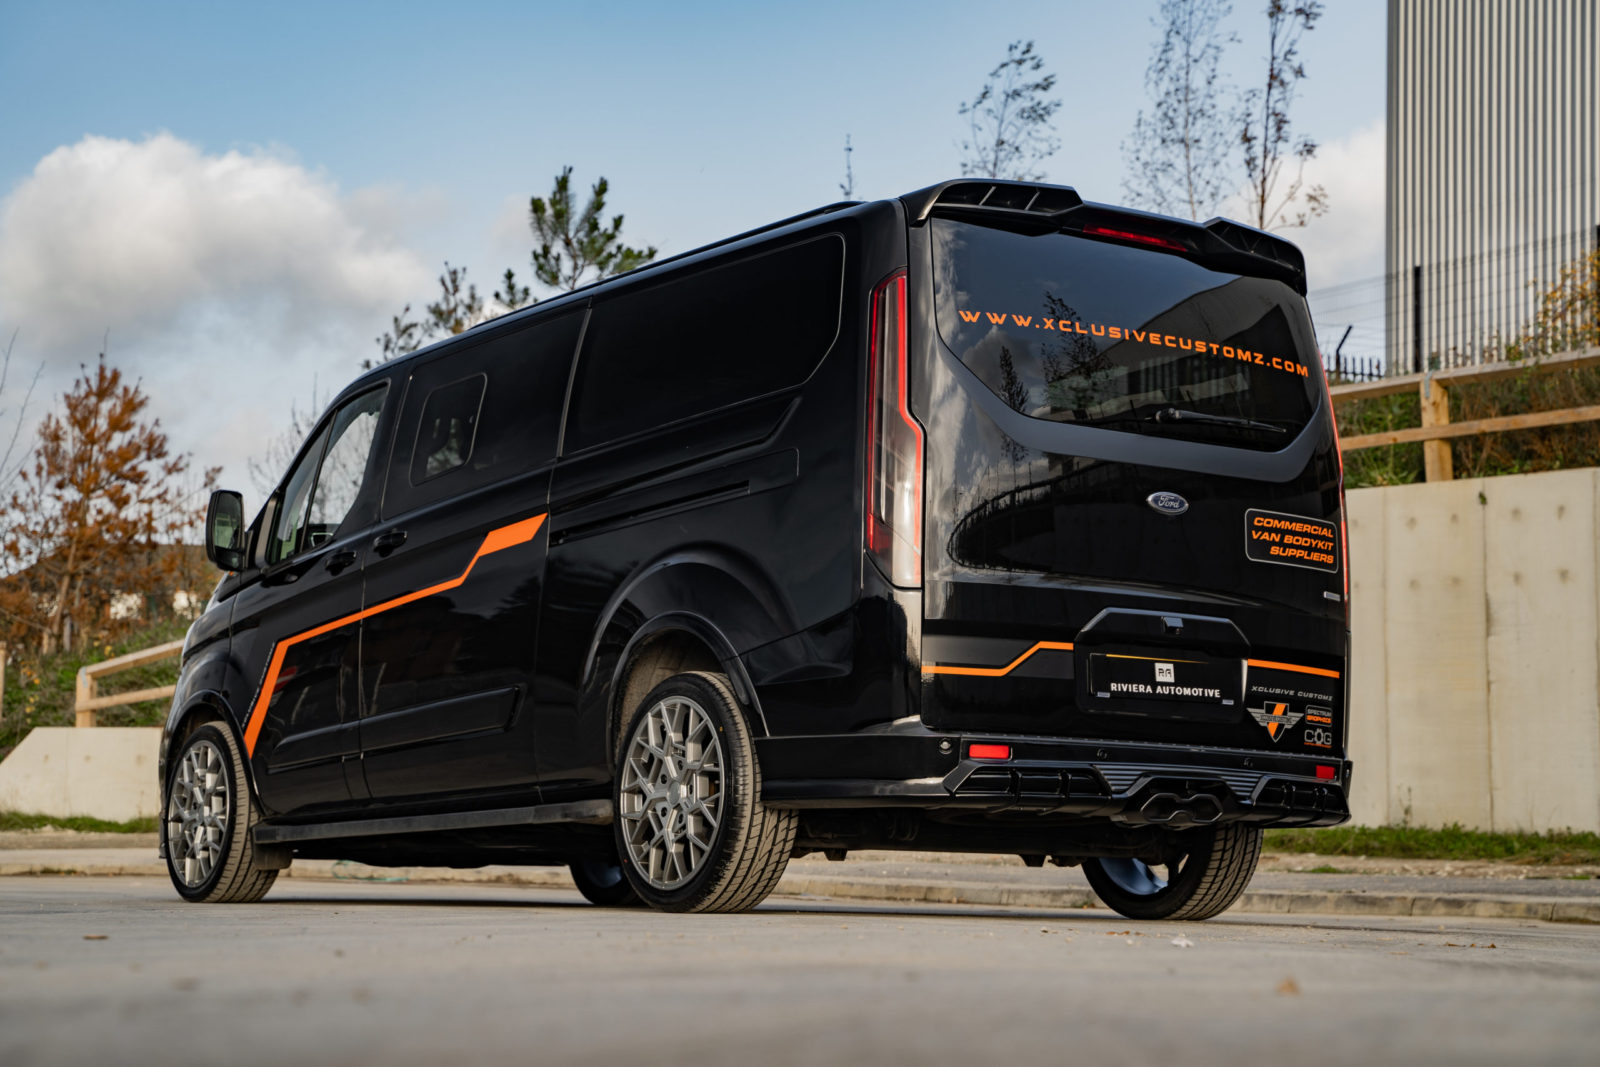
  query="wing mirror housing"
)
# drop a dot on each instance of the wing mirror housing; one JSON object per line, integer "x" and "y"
{"x": 225, "y": 531}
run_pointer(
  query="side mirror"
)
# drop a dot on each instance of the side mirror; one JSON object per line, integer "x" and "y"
{"x": 225, "y": 530}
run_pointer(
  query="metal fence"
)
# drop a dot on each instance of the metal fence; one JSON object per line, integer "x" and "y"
{"x": 1433, "y": 316}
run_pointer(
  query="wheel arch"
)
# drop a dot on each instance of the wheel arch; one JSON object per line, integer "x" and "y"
{"x": 696, "y": 608}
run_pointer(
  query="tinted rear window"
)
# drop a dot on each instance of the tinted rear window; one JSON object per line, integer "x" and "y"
{"x": 1074, "y": 329}
{"x": 707, "y": 339}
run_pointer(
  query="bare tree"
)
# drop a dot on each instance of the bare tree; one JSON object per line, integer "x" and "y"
{"x": 1011, "y": 121}
{"x": 273, "y": 462}
{"x": 1178, "y": 157}
{"x": 1274, "y": 160}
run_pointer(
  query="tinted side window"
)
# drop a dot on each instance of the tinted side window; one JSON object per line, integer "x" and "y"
{"x": 707, "y": 339}
{"x": 478, "y": 414}
{"x": 289, "y": 526}
{"x": 327, "y": 481}
{"x": 449, "y": 426}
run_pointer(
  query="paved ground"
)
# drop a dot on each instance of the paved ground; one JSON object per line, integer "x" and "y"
{"x": 117, "y": 970}
{"x": 1285, "y": 884}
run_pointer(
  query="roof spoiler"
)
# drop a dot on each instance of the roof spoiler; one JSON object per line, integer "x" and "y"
{"x": 1036, "y": 208}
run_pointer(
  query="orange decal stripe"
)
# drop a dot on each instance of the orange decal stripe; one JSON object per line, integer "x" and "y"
{"x": 1273, "y": 665}
{"x": 997, "y": 672}
{"x": 518, "y": 533}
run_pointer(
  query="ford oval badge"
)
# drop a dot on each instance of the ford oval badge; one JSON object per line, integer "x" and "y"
{"x": 1167, "y": 503}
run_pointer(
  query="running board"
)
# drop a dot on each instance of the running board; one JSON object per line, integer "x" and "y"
{"x": 589, "y": 812}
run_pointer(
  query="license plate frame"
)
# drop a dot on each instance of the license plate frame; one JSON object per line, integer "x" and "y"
{"x": 1155, "y": 680}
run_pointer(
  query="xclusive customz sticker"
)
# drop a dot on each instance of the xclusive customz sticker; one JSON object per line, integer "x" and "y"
{"x": 1293, "y": 540}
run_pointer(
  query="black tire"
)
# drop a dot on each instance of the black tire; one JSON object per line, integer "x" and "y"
{"x": 601, "y": 881}
{"x": 1205, "y": 875}
{"x": 230, "y": 878}
{"x": 739, "y": 861}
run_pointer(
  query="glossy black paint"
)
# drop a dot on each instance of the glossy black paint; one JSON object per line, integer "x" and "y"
{"x": 731, "y": 539}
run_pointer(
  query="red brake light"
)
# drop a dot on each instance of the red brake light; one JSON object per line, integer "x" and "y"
{"x": 1326, "y": 772}
{"x": 893, "y": 487}
{"x": 1137, "y": 238}
{"x": 989, "y": 751}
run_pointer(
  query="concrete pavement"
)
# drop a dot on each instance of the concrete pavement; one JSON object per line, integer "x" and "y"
{"x": 97, "y": 970}
{"x": 1285, "y": 884}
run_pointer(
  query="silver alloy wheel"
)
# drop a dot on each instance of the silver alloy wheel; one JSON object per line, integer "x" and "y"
{"x": 671, "y": 792}
{"x": 199, "y": 808}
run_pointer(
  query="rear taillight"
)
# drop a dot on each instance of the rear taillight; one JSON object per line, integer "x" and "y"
{"x": 894, "y": 443}
{"x": 1338, "y": 452}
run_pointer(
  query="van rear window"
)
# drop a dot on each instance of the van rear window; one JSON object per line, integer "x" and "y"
{"x": 1074, "y": 329}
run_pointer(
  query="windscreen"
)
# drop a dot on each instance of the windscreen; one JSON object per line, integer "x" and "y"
{"x": 1101, "y": 333}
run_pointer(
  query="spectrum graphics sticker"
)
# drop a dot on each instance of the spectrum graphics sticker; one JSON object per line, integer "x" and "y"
{"x": 1292, "y": 540}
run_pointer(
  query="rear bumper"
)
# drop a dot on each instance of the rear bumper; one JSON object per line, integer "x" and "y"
{"x": 1123, "y": 783}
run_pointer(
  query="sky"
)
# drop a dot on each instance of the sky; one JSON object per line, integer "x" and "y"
{"x": 232, "y": 200}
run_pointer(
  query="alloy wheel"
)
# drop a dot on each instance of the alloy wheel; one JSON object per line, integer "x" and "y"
{"x": 199, "y": 807}
{"x": 671, "y": 792}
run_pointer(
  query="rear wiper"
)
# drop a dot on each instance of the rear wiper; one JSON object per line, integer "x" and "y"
{"x": 1182, "y": 415}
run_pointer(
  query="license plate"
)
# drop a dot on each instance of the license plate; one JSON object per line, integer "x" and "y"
{"x": 1193, "y": 680}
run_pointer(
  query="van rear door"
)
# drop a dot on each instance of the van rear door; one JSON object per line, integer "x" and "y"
{"x": 1133, "y": 502}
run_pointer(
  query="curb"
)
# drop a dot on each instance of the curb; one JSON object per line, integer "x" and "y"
{"x": 1255, "y": 901}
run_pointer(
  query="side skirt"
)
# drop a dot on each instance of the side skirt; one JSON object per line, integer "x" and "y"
{"x": 587, "y": 812}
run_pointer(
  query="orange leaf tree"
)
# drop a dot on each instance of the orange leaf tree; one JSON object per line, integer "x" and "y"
{"x": 97, "y": 517}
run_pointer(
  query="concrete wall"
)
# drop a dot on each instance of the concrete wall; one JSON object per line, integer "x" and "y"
{"x": 1475, "y": 681}
{"x": 108, "y": 772}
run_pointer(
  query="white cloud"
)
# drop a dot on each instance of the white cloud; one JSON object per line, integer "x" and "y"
{"x": 227, "y": 283}
{"x": 111, "y": 234}
{"x": 1346, "y": 243}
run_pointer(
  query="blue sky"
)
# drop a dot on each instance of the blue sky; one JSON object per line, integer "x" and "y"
{"x": 391, "y": 136}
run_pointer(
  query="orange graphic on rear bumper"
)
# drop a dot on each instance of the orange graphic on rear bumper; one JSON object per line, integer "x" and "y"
{"x": 518, "y": 533}
{"x": 996, "y": 672}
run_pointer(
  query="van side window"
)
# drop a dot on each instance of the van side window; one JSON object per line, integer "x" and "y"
{"x": 706, "y": 339}
{"x": 481, "y": 411}
{"x": 324, "y": 486}
{"x": 449, "y": 426}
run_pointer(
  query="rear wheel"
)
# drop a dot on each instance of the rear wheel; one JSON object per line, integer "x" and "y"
{"x": 601, "y": 881}
{"x": 207, "y": 821}
{"x": 691, "y": 830}
{"x": 1200, "y": 875}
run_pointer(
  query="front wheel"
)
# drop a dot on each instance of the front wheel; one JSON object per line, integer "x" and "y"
{"x": 1200, "y": 875}
{"x": 207, "y": 821}
{"x": 691, "y": 830}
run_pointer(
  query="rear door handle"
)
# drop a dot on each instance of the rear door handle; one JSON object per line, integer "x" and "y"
{"x": 338, "y": 561}
{"x": 388, "y": 541}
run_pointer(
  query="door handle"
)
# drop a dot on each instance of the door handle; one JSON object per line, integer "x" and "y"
{"x": 338, "y": 561}
{"x": 388, "y": 541}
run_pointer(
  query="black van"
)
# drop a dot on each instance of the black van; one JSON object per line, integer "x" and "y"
{"x": 982, "y": 520}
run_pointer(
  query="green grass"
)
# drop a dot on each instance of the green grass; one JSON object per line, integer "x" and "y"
{"x": 40, "y": 690}
{"x": 14, "y": 820}
{"x": 1450, "y": 843}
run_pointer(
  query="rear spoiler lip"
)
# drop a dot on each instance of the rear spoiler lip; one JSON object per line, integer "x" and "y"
{"x": 1218, "y": 241}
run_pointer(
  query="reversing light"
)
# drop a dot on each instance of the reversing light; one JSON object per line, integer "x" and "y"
{"x": 1326, "y": 772}
{"x": 989, "y": 751}
{"x": 1138, "y": 238}
{"x": 893, "y": 486}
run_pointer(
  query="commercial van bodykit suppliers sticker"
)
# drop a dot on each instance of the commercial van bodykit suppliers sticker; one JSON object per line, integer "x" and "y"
{"x": 518, "y": 533}
{"x": 1291, "y": 540}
